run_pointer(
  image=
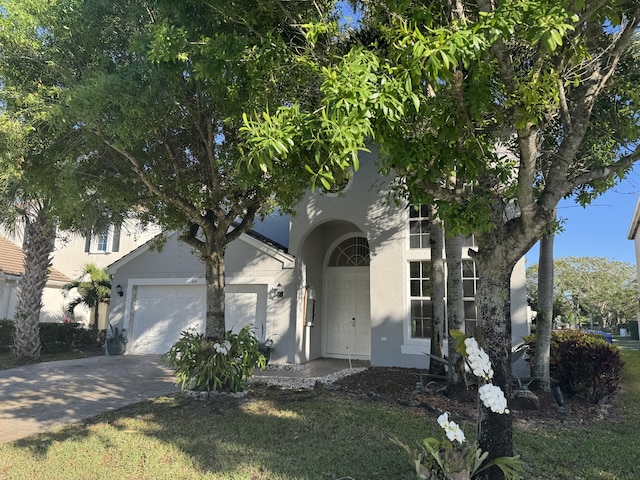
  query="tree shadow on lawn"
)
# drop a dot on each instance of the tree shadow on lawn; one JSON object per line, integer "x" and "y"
{"x": 42, "y": 396}
{"x": 268, "y": 434}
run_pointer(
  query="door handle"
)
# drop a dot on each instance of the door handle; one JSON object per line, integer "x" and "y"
{"x": 353, "y": 321}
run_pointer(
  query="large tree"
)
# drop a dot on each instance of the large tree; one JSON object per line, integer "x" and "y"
{"x": 606, "y": 289}
{"x": 153, "y": 93}
{"x": 42, "y": 190}
{"x": 492, "y": 111}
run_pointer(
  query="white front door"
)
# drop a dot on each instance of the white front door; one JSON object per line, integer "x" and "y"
{"x": 348, "y": 315}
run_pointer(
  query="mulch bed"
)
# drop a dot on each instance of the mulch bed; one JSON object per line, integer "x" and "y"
{"x": 398, "y": 385}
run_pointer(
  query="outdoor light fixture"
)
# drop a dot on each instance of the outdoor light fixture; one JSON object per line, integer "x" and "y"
{"x": 311, "y": 292}
{"x": 119, "y": 290}
{"x": 309, "y": 306}
{"x": 279, "y": 290}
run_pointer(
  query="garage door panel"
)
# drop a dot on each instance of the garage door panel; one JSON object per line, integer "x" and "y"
{"x": 240, "y": 310}
{"x": 162, "y": 312}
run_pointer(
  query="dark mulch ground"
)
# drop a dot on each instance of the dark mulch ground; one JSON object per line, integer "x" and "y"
{"x": 398, "y": 385}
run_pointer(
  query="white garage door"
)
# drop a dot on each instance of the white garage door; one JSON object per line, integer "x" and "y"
{"x": 162, "y": 312}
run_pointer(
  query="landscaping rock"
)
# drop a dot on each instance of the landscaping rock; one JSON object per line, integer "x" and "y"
{"x": 524, "y": 400}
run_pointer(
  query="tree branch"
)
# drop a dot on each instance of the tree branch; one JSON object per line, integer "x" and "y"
{"x": 179, "y": 202}
{"x": 246, "y": 222}
{"x": 584, "y": 99}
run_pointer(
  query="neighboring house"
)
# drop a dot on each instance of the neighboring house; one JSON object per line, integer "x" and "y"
{"x": 72, "y": 252}
{"x": 12, "y": 269}
{"x": 634, "y": 235}
{"x": 348, "y": 279}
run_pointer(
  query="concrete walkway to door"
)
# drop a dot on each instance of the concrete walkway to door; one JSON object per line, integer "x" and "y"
{"x": 35, "y": 398}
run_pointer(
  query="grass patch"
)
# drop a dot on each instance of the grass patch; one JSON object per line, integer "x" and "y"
{"x": 8, "y": 360}
{"x": 605, "y": 451}
{"x": 274, "y": 435}
{"x": 314, "y": 435}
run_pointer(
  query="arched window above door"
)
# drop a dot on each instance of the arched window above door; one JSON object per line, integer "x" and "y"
{"x": 352, "y": 252}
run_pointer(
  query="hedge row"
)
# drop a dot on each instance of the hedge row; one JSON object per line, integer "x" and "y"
{"x": 54, "y": 337}
{"x": 583, "y": 364}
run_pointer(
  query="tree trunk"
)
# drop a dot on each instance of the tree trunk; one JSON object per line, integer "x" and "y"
{"x": 438, "y": 319}
{"x": 94, "y": 325}
{"x": 214, "y": 265}
{"x": 544, "y": 320}
{"x": 40, "y": 237}
{"x": 455, "y": 313}
{"x": 493, "y": 299}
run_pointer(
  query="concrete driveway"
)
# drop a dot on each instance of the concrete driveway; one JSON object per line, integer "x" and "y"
{"x": 38, "y": 397}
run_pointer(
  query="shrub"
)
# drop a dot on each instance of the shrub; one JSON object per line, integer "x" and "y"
{"x": 61, "y": 337}
{"x": 583, "y": 364}
{"x": 7, "y": 330}
{"x": 206, "y": 364}
{"x": 54, "y": 337}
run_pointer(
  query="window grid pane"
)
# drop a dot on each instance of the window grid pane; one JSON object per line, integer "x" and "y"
{"x": 102, "y": 242}
{"x": 470, "y": 288}
{"x": 419, "y": 225}
{"x": 353, "y": 252}
{"x": 420, "y": 292}
{"x": 421, "y": 319}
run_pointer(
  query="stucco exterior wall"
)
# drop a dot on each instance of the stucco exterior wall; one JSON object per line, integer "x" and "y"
{"x": 364, "y": 208}
{"x": 246, "y": 264}
{"x": 8, "y": 297}
{"x": 321, "y": 223}
{"x": 53, "y": 303}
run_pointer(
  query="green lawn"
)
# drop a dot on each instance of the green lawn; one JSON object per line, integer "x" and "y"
{"x": 315, "y": 435}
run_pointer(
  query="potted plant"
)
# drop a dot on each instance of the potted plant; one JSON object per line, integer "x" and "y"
{"x": 265, "y": 348}
{"x": 116, "y": 340}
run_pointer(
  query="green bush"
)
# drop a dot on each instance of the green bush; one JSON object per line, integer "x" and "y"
{"x": 54, "y": 337}
{"x": 207, "y": 365}
{"x": 61, "y": 337}
{"x": 6, "y": 335}
{"x": 583, "y": 364}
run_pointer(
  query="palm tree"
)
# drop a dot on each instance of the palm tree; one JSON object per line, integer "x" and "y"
{"x": 38, "y": 245}
{"x": 92, "y": 291}
{"x": 23, "y": 211}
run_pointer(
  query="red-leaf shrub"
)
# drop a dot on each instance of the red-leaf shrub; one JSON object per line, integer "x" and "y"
{"x": 583, "y": 364}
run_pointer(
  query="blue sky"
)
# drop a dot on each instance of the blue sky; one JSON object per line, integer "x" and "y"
{"x": 599, "y": 229}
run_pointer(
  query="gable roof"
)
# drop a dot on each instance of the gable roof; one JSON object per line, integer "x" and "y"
{"x": 262, "y": 243}
{"x": 12, "y": 262}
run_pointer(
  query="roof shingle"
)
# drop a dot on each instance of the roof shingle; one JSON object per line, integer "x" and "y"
{"x": 12, "y": 262}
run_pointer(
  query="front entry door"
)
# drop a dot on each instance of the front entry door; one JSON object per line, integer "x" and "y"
{"x": 348, "y": 315}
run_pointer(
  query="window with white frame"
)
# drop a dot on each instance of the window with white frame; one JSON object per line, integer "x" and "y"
{"x": 469, "y": 289}
{"x": 353, "y": 252}
{"x": 419, "y": 224}
{"x": 420, "y": 293}
{"x": 103, "y": 242}
{"x": 469, "y": 241}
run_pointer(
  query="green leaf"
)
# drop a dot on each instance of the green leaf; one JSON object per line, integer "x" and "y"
{"x": 459, "y": 338}
{"x": 325, "y": 183}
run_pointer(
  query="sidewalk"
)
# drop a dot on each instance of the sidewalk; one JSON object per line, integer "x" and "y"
{"x": 626, "y": 343}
